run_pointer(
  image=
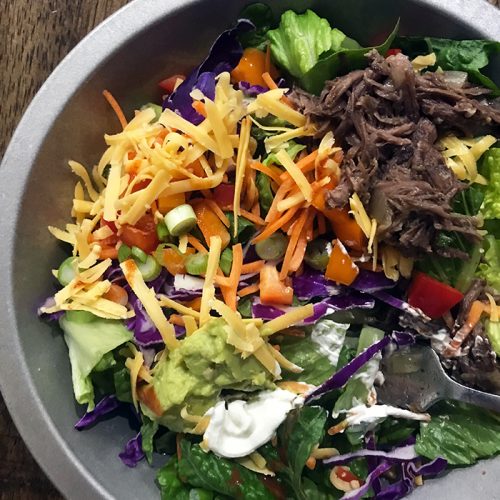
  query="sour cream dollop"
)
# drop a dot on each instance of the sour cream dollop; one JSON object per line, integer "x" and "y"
{"x": 239, "y": 427}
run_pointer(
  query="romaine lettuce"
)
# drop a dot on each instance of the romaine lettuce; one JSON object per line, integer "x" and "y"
{"x": 491, "y": 169}
{"x": 300, "y": 39}
{"x": 490, "y": 268}
{"x": 493, "y": 332}
{"x": 88, "y": 343}
{"x": 459, "y": 433}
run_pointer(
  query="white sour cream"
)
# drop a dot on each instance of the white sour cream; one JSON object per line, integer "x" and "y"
{"x": 239, "y": 427}
{"x": 367, "y": 417}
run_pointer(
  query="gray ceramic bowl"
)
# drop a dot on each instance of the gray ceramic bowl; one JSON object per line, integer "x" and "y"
{"x": 144, "y": 42}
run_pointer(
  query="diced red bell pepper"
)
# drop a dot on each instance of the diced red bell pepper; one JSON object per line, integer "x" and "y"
{"x": 431, "y": 296}
{"x": 168, "y": 85}
{"x": 393, "y": 52}
{"x": 224, "y": 195}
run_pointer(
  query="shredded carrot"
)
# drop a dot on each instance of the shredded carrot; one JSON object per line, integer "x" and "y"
{"x": 154, "y": 207}
{"x": 305, "y": 164}
{"x": 311, "y": 463}
{"x": 252, "y": 267}
{"x": 116, "y": 107}
{"x": 272, "y": 173}
{"x": 199, "y": 107}
{"x": 196, "y": 244}
{"x": 234, "y": 277}
{"x": 277, "y": 224}
{"x": 280, "y": 195}
{"x": 267, "y": 61}
{"x": 256, "y": 209}
{"x": 305, "y": 236}
{"x": 292, "y": 244}
{"x": 248, "y": 290}
{"x": 176, "y": 319}
{"x": 268, "y": 80}
{"x": 476, "y": 310}
{"x": 222, "y": 216}
{"x": 221, "y": 280}
{"x": 252, "y": 217}
{"x": 194, "y": 304}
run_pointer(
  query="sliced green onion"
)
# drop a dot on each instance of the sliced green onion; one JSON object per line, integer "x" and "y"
{"x": 226, "y": 261}
{"x": 150, "y": 269}
{"x": 139, "y": 255}
{"x": 180, "y": 220}
{"x": 67, "y": 271}
{"x": 318, "y": 253}
{"x": 162, "y": 231}
{"x": 196, "y": 264}
{"x": 124, "y": 252}
{"x": 80, "y": 316}
{"x": 272, "y": 248}
{"x": 156, "y": 108}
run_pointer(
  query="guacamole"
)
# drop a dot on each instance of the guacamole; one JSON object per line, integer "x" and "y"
{"x": 193, "y": 375}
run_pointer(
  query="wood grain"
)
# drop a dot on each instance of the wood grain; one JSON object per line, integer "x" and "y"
{"x": 34, "y": 37}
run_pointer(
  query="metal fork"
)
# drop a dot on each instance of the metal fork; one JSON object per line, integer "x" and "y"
{"x": 415, "y": 379}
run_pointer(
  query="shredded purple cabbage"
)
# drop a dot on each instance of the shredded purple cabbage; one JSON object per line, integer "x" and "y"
{"x": 402, "y": 339}
{"x": 358, "y": 493}
{"x": 132, "y": 454}
{"x": 224, "y": 55}
{"x": 409, "y": 472}
{"x": 327, "y": 306}
{"x": 106, "y": 405}
{"x": 369, "y": 282}
{"x": 401, "y": 454}
{"x": 251, "y": 90}
{"x": 49, "y": 302}
{"x": 397, "y": 303}
{"x": 313, "y": 284}
{"x": 340, "y": 378}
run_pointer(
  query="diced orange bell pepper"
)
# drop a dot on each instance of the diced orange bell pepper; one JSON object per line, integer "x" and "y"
{"x": 272, "y": 290}
{"x": 251, "y": 67}
{"x": 345, "y": 227}
{"x": 340, "y": 267}
{"x": 173, "y": 260}
{"x": 166, "y": 203}
{"x": 210, "y": 224}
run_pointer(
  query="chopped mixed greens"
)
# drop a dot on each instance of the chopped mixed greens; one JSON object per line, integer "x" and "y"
{"x": 247, "y": 254}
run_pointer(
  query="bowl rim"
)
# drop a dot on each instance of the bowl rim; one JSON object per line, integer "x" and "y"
{"x": 59, "y": 462}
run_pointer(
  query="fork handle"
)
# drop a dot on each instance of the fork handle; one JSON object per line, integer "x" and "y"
{"x": 459, "y": 392}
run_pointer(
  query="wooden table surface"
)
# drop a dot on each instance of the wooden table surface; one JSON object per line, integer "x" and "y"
{"x": 34, "y": 37}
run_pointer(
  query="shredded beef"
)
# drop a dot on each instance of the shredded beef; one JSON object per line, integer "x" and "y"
{"x": 385, "y": 117}
{"x": 476, "y": 289}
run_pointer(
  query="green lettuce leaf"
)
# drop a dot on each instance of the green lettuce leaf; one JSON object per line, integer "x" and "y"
{"x": 266, "y": 196}
{"x": 293, "y": 150}
{"x": 262, "y": 17}
{"x": 459, "y": 433}
{"x": 305, "y": 353}
{"x": 489, "y": 269}
{"x": 88, "y": 343}
{"x": 359, "y": 385}
{"x": 171, "y": 487}
{"x": 348, "y": 57}
{"x": 318, "y": 354}
{"x": 493, "y": 332}
{"x": 217, "y": 474}
{"x": 246, "y": 229}
{"x": 456, "y": 55}
{"x": 491, "y": 168}
{"x": 148, "y": 431}
{"x": 300, "y": 39}
{"x": 300, "y": 433}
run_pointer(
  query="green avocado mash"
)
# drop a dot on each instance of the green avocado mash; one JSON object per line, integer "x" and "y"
{"x": 193, "y": 375}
